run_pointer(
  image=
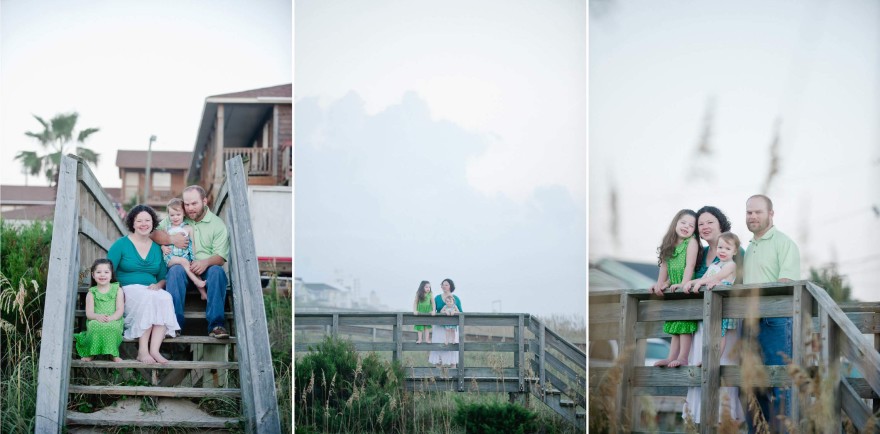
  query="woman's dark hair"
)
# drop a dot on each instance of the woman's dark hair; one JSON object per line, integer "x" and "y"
{"x": 670, "y": 240}
{"x": 451, "y": 285}
{"x": 129, "y": 218}
{"x": 422, "y": 294}
{"x": 95, "y": 266}
{"x": 722, "y": 219}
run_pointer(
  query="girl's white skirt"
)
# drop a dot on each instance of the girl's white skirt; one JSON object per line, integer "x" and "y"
{"x": 144, "y": 308}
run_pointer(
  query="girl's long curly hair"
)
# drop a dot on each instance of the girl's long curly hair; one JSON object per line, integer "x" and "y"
{"x": 670, "y": 240}
{"x": 422, "y": 294}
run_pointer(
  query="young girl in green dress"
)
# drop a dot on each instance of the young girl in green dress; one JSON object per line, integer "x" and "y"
{"x": 423, "y": 304}
{"x": 678, "y": 254}
{"x": 105, "y": 303}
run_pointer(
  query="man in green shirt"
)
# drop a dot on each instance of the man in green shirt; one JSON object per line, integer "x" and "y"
{"x": 772, "y": 257}
{"x": 210, "y": 251}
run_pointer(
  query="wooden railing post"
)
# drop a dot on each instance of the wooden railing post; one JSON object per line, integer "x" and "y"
{"x": 461, "y": 352}
{"x": 542, "y": 367}
{"x": 61, "y": 282}
{"x": 250, "y": 314}
{"x": 801, "y": 338}
{"x": 398, "y": 338}
{"x": 710, "y": 380}
{"x": 334, "y": 327}
{"x": 626, "y": 344}
{"x": 831, "y": 362}
{"x": 520, "y": 352}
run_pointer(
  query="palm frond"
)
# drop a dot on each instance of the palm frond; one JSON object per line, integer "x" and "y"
{"x": 63, "y": 125}
{"x": 44, "y": 138}
{"x": 84, "y": 134}
{"x": 42, "y": 121}
{"x": 30, "y": 161}
{"x": 88, "y": 155}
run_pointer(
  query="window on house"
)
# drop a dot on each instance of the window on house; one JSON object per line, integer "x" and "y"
{"x": 161, "y": 181}
{"x": 131, "y": 185}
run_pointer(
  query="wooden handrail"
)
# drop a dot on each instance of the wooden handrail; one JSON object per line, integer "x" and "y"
{"x": 257, "y": 376}
{"x": 81, "y": 208}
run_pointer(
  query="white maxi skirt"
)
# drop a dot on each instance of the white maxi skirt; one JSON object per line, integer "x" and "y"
{"x": 144, "y": 308}
{"x": 438, "y": 336}
{"x": 694, "y": 395}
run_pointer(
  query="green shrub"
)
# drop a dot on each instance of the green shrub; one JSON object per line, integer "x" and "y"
{"x": 492, "y": 418}
{"x": 339, "y": 391}
{"x": 24, "y": 262}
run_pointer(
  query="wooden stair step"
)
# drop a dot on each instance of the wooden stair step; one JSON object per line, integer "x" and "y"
{"x": 173, "y": 364}
{"x": 566, "y": 402}
{"x": 186, "y": 314}
{"x": 169, "y": 392}
{"x": 168, "y": 413}
{"x": 187, "y": 339}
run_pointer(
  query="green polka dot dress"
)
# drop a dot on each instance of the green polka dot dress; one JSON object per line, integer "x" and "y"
{"x": 675, "y": 267}
{"x": 101, "y": 337}
{"x": 424, "y": 307}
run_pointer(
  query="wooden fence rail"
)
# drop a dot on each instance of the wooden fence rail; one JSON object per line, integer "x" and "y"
{"x": 631, "y": 316}
{"x": 543, "y": 361}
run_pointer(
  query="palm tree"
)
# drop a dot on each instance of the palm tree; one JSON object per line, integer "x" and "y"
{"x": 55, "y": 138}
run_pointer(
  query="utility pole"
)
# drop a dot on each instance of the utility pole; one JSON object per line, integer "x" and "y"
{"x": 149, "y": 161}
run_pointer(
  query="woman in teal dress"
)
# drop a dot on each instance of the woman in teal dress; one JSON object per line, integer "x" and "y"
{"x": 441, "y": 358}
{"x": 149, "y": 310}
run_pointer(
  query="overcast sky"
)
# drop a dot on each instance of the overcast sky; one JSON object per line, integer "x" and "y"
{"x": 444, "y": 139}
{"x": 656, "y": 68}
{"x": 132, "y": 69}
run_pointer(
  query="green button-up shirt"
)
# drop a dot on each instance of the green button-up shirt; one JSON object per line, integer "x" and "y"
{"x": 772, "y": 257}
{"x": 210, "y": 236}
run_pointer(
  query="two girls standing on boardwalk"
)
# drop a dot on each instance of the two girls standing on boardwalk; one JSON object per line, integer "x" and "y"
{"x": 678, "y": 255}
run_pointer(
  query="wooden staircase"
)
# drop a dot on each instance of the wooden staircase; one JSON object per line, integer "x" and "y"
{"x": 236, "y": 371}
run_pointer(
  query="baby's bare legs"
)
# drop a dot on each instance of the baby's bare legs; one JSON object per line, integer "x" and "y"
{"x": 200, "y": 284}
{"x": 450, "y": 336}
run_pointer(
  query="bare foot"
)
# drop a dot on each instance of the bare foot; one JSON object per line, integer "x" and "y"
{"x": 202, "y": 291}
{"x": 418, "y": 342}
{"x": 86, "y": 359}
{"x": 677, "y": 363}
{"x": 159, "y": 358}
{"x": 117, "y": 359}
{"x": 146, "y": 358}
{"x": 699, "y": 364}
{"x": 662, "y": 363}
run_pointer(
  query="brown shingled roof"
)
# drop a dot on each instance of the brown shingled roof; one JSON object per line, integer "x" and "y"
{"x": 17, "y": 193}
{"x": 159, "y": 159}
{"x": 282, "y": 91}
{"x": 40, "y": 212}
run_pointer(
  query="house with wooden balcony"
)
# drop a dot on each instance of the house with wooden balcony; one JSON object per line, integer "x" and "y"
{"x": 167, "y": 175}
{"x": 255, "y": 124}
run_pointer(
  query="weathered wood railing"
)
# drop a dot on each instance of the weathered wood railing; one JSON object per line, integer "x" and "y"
{"x": 85, "y": 225}
{"x": 261, "y": 159}
{"x": 254, "y": 356}
{"x": 543, "y": 361}
{"x": 631, "y": 316}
